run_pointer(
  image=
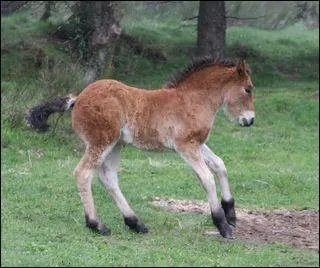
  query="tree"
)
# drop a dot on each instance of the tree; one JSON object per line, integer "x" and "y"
{"x": 92, "y": 32}
{"x": 211, "y": 28}
{"x": 99, "y": 23}
{"x": 49, "y": 5}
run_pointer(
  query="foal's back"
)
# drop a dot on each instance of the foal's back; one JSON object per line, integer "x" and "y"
{"x": 107, "y": 111}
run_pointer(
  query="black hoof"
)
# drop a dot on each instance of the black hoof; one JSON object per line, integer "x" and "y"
{"x": 220, "y": 221}
{"x": 95, "y": 226}
{"x": 135, "y": 224}
{"x": 228, "y": 207}
{"x": 225, "y": 230}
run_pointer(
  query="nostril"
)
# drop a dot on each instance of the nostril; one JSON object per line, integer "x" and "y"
{"x": 245, "y": 122}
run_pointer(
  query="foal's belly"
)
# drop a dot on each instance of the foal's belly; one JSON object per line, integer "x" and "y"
{"x": 145, "y": 139}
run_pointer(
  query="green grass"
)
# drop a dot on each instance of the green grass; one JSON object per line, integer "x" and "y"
{"x": 274, "y": 56}
{"x": 272, "y": 165}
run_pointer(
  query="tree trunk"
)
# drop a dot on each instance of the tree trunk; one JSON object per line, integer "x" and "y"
{"x": 211, "y": 28}
{"x": 47, "y": 10}
{"x": 101, "y": 22}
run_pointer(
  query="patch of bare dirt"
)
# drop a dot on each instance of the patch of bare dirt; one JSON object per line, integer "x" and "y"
{"x": 297, "y": 228}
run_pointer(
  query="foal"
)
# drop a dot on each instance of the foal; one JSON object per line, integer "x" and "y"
{"x": 178, "y": 117}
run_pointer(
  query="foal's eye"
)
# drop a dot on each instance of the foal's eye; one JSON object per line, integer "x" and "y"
{"x": 248, "y": 89}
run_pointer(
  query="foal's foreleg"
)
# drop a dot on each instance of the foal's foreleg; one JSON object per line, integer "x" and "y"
{"x": 217, "y": 165}
{"x": 108, "y": 174}
{"x": 194, "y": 158}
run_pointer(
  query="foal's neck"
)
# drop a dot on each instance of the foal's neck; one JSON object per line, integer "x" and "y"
{"x": 206, "y": 87}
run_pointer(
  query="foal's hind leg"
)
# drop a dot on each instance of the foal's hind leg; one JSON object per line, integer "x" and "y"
{"x": 84, "y": 172}
{"x": 217, "y": 165}
{"x": 108, "y": 174}
{"x": 193, "y": 156}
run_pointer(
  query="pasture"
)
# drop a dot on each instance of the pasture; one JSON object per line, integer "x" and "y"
{"x": 272, "y": 165}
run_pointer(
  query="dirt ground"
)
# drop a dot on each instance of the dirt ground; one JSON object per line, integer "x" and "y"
{"x": 297, "y": 228}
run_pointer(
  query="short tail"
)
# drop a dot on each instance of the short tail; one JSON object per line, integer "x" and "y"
{"x": 37, "y": 116}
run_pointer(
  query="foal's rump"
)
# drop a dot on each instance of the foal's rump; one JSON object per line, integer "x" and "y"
{"x": 99, "y": 112}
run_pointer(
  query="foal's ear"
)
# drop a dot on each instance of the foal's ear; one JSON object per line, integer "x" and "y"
{"x": 241, "y": 67}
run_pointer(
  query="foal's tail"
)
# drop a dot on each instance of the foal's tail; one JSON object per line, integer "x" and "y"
{"x": 38, "y": 115}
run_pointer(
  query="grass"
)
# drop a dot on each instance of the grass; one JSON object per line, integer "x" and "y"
{"x": 273, "y": 164}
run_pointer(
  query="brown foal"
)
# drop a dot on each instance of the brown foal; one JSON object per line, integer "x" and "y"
{"x": 177, "y": 117}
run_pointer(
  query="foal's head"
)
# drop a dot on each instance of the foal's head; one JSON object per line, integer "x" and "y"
{"x": 233, "y": 80}
{"x": 239, "y": 96}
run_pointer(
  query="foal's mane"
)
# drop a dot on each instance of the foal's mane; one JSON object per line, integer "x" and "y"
{"x": 194, "y": 65}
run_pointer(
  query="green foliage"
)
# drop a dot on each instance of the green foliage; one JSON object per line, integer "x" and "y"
{"x": 272, "y": 14}
{"x": 276, "y": 56}
{"x": 13, "y": 100}
{"x": 32, "y": 71}
{"x": 272, "y": 165}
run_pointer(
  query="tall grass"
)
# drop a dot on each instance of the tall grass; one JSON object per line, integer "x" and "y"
{"x": 33, "y": 71}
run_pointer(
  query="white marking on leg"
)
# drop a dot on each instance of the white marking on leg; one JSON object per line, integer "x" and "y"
{"x": 106, "y": 152}
{"x": 126, "y": 135}
{"x": 84, "y": 181}
{"x": 196, "y": 161}
{"x": 218, "y": 166}
{"x": 108, "y": 174}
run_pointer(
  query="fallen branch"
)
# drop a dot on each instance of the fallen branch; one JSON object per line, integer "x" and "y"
{"x": 248, "y": 18}
{"x": 231, "y": 17}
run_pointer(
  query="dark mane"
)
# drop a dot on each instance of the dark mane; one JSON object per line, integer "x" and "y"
{"x": 194, "y": 65}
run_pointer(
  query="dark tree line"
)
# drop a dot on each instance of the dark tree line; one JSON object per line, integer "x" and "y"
{"x": 99, "y": 21}
{"x": 94, "y": 29}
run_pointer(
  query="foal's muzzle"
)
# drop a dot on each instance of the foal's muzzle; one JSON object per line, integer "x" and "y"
{"x": 246, "y": 119}
{"x": 246, "y": 123}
